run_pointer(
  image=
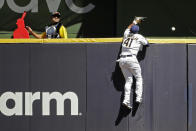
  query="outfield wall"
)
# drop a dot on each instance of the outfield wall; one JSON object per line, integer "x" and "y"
{"x": 87, "y": 74}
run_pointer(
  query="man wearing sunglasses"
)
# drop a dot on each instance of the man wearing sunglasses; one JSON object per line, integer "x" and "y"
{"x": 54, "y": 30}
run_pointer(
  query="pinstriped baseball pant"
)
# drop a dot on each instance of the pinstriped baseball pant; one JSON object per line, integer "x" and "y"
{"x": 130, "y": 67}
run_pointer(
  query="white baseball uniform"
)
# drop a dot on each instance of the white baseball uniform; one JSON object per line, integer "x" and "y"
{"x": 129, "y": 64}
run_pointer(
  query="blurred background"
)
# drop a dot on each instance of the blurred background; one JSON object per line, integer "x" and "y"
{"x": 96, "y": 18}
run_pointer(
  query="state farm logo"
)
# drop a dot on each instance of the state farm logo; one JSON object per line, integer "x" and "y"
{"x": 30, "y": 98}
{"x": 53, "y": 6}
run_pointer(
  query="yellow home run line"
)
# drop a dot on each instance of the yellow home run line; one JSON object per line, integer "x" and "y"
{"x": 97, "y": 40}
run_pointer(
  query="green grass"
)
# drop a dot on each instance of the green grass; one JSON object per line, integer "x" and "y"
{"x": 5, "y": 34}
{"x": 74, "y": 28}
{"x": 8, "y": 35}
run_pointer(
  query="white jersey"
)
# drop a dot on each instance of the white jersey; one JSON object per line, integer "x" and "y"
{"x": 132, "y": 43}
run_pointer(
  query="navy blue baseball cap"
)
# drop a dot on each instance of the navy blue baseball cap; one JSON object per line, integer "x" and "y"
{"x": 56, "y": 14}
{"x": 135, "y": 29}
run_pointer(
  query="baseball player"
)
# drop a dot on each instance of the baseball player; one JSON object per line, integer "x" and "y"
{"x": 132, "y": 43}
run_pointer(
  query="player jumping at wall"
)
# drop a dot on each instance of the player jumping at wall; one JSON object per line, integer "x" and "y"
{"x": 54, "y": 30}
{"x": 131, "y": 45}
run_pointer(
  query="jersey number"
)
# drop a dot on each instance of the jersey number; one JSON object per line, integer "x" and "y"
{"x": 128, "y": 42}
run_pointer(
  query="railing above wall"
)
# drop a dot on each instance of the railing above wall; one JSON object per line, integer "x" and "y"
{"x": 99, "y": 40}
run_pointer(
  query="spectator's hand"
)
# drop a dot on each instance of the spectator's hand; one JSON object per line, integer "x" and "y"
{"x": 29, "y": 29}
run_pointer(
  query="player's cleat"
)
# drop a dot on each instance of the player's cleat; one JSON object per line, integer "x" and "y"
{"x": 127, "y": 105}
{"x": 138, "y": 100}
{"x": 135, "y": 108}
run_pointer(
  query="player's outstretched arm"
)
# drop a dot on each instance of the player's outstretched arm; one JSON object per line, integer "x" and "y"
{"x": 134, "y": 22}
{"x": 33, "y": 33}
{"x": 137, "y": 20}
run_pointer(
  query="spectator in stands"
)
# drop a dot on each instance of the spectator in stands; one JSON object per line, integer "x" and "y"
{"x": 54, "y": 30}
